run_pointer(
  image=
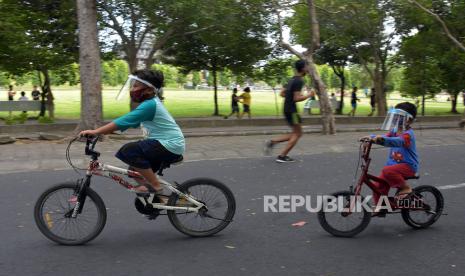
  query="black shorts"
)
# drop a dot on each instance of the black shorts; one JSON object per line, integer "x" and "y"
{"x": 292, "y": 118}
{"x": 246, "y": 108}
{"x": 145, "y": 154}
{"x": 235, "y": 108}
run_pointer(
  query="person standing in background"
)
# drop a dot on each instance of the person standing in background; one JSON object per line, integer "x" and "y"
{"x": 246, "y": 99}
{"x": 372, "y": 102}
{"x": 353, "y": 101}
{"x": 11, "y": 93}
{"x": 35, "y": 93}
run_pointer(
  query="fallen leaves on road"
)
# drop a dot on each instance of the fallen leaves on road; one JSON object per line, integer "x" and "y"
{"x": 299, "y": 224}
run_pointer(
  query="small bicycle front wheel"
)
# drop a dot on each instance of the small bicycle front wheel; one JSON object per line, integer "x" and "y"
{"x": 53, "y": 209}
{"x": 342, "y": 223}
{"x": 218, "y": 212}
{"x": 431, "y": 204}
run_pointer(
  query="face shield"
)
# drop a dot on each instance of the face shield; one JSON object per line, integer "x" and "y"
{"x": 134, "y": 84}
{"x": 396, "y": 120}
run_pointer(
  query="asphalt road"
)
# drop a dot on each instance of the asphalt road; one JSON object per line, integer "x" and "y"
{"x": 256, "y": 243}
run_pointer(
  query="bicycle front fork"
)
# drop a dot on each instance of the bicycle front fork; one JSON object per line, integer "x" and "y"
{"x": 81, "y": 194}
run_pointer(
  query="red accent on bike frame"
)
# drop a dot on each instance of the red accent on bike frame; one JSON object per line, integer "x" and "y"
{"x": 135, "y": 174}
{"x": 121, "y": 181}
{"x": 368, "y": 179}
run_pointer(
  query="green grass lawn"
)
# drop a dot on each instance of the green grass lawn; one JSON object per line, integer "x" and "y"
{"x": 199, "y": 103}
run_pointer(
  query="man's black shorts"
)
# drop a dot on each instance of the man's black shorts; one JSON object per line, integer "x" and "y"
{"x": 145, "y": 154}
{"x": 293, "y": 118}
{"x": 246, "y": 108}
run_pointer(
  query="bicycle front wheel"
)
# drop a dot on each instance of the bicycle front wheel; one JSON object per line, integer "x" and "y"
{"x": 53, "y": 209}
{"x": 218, "y": 212}
{"x": 342, "y": 223}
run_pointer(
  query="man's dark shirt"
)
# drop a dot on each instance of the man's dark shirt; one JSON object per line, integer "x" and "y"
{"x": 294, "y": 85}
{"x": 234, "y": 100}
{"x": 35, "y": 95}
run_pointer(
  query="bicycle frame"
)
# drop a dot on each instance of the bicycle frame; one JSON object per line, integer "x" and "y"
{"x": 117, "y": 174}
{"x": 368, "y": 179}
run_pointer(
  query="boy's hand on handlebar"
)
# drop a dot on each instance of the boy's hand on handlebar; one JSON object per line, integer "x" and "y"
{"x": 378, "y": 139}
{"x": 88, "y": 133}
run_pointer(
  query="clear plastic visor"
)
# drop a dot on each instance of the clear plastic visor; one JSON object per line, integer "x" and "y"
{"x": 396, "y": 119}
{"x": 129, "y": 85}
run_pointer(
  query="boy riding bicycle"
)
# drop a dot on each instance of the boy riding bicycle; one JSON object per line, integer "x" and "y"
{"x": 402, "y": 160}
{"x": 164, "y": 141}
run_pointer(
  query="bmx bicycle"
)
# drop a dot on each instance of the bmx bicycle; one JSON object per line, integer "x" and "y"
{"x": 73, "y": 213}
{"x": 420, "y": 209}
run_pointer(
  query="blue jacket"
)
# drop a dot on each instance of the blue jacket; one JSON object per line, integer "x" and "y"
{"x": 403, "y": 149}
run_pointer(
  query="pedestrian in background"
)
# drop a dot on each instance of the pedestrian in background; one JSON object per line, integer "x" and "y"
{"x": 35, "y": 93}
{"x": 292, "y": 94}
{"x": 246, "y": 99}
{"x": 308, "y": 103}
{"x": 353, "y": 101}
{"x": 234, "y": 104}
{"x": 11, "y": 93}
{"x": 372, "y": 101}
{"x": 23, "y": 98}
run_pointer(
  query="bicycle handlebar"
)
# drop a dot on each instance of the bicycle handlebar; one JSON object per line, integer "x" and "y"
{"x": 91, "y": 141}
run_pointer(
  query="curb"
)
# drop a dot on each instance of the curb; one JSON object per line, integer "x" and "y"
{"x": 216, "y": 122}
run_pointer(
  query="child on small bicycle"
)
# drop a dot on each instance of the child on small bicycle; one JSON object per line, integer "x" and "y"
{"x": 402, "y": 159}
{"x": 164, "y": 141}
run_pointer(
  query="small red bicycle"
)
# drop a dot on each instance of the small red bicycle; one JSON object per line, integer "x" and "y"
{"x": 419, "y": 210}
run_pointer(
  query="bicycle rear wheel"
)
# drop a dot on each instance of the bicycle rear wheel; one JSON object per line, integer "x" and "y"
{"x": 433, "y": 204}
{"x": 53, "y": 209}
{"x": 218, "y": 213}
{"x": 341, "y": 223}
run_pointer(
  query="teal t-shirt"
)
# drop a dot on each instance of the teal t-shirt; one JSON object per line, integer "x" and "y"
{"x": 156, "y": 123}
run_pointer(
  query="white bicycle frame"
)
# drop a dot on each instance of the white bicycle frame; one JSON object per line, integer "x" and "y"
{"x": 108, "y": 171}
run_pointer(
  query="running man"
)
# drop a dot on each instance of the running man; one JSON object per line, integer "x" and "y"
{"x": 292, "y": 93}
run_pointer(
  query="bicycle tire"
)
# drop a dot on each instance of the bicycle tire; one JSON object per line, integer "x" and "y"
{"x": 322, "y": 218}
{"x": 187, "y": 187}
{"x": 439, "y": 206}
{"x": 44, "y": 224}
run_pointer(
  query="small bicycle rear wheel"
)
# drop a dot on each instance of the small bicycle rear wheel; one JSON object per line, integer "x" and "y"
{"x": 342, "y": 223}
{"x": 53, "y": 209}
{"x": 432, "y": 203}
{"x": 218, "y": 212}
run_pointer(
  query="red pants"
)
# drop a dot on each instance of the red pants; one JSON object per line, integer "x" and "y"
{"x": 394, "y": 176}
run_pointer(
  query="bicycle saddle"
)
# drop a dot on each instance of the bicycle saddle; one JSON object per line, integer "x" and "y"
{"x": 167, "y": 164}
{"x": 416, "y": 176}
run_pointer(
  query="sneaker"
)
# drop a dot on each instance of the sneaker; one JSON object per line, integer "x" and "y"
{"x": 267, "y": 148}
{"x": 284, "y": 159}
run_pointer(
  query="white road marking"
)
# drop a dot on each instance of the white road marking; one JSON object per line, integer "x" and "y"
{"x": 448, "y": 187}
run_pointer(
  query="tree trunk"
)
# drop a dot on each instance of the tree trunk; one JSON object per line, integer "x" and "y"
{"x": 423, "y": 105}
{"x": 327, "y": 116}
{"x": 340, "y": 108}
{"x": 131, "y": 59}
{"x": 215, "y": 91}
{"x": 453, "y": 101}
{"x": 48, "y": 94}
{"x": 42, "y": 95}
{"x": 380, "y": 93}
{"x": 89, "y": 61}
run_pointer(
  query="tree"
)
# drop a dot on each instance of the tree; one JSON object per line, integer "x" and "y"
{"x": 144, "y": 27}
{"x": 312, "y": 45}
{"x": 449, "y": 59}
{"x": 235, "y": 41}
{"x": 421, "y": 77}
{"x": 276, "y": 72}
{"x": 38, "y": 36}
{"x": 89, "y": 60}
